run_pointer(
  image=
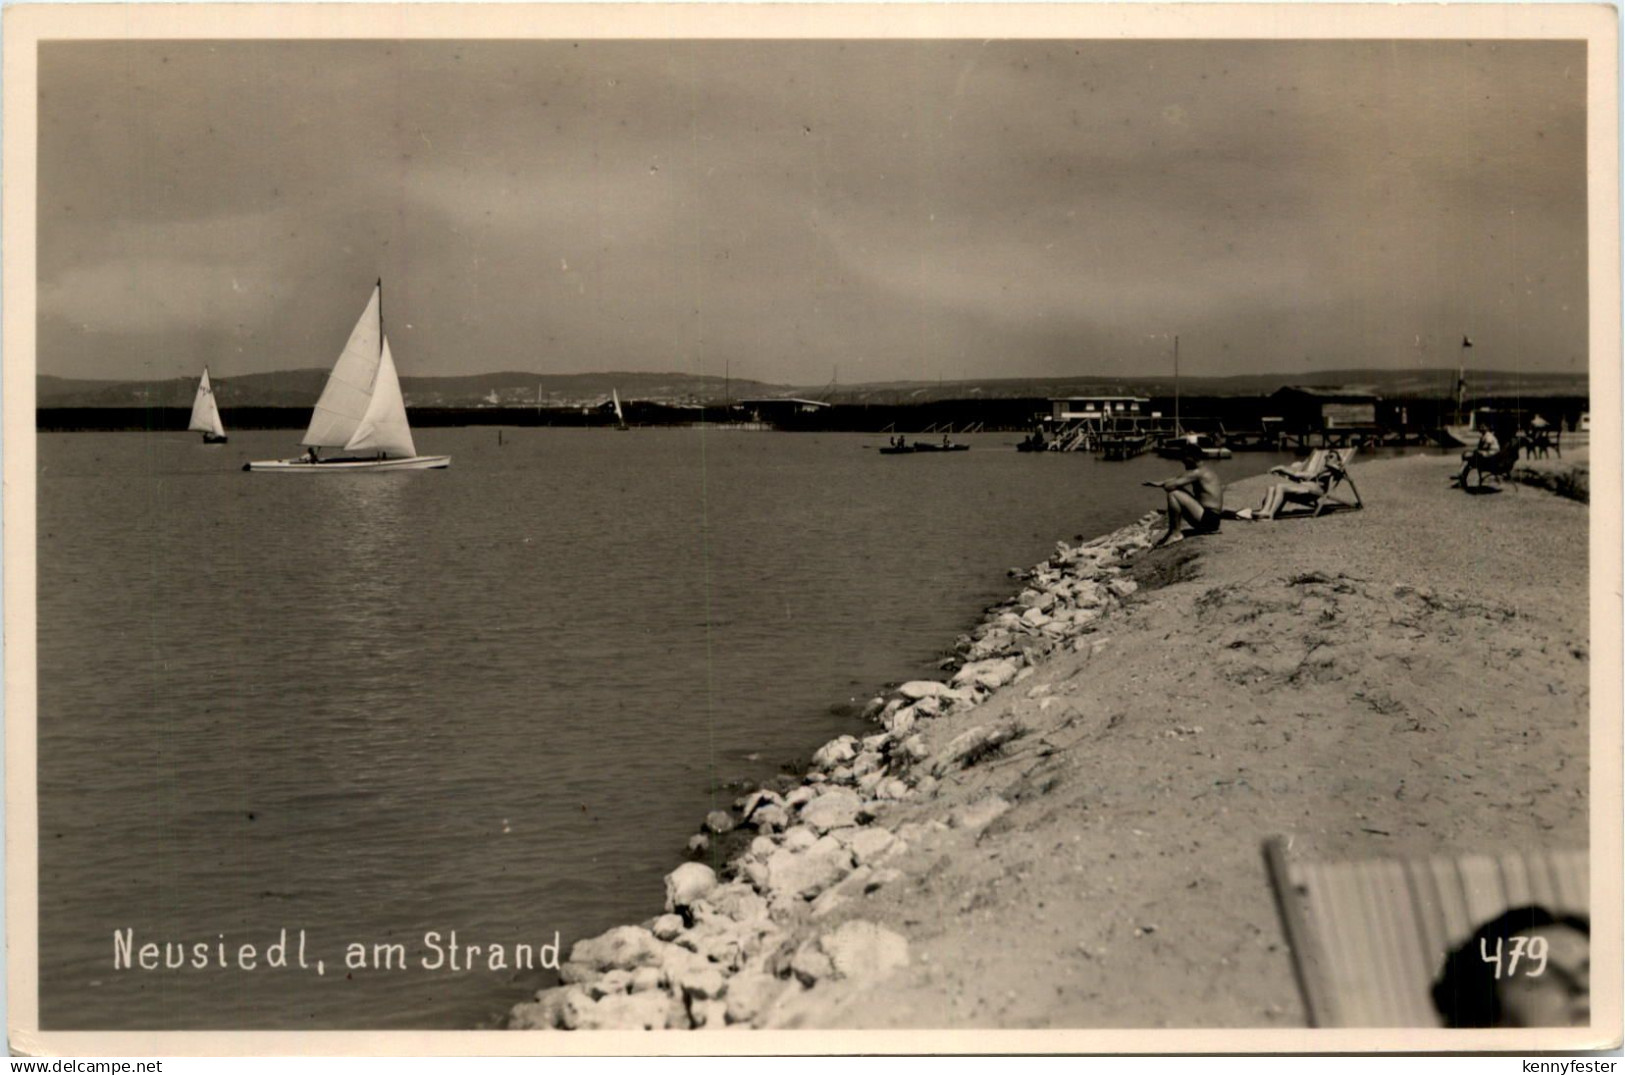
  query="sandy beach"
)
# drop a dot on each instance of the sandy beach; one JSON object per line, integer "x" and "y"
{"x": 1067, "y": 833}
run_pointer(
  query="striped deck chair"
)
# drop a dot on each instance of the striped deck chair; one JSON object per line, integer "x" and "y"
{"x": 1337, "y": 466}
{"x": 1369, "y": 937}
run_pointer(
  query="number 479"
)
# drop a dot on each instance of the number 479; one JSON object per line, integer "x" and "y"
{"x": 1506, "y": 957}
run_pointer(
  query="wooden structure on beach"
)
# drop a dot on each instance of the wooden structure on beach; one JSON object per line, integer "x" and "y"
{"x": 1119, "y": 426}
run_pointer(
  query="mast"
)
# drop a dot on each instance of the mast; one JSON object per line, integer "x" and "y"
{"x": 1177, "y": 428}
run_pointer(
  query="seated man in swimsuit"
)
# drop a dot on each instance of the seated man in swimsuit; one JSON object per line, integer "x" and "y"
{"x": 1196, "y": 497}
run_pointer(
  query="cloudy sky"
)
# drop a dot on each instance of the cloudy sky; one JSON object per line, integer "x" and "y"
{"x": 899, "y": 210}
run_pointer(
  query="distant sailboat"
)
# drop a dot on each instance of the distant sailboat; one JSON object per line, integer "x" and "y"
{"x": 360, "y": 410}
{"x": 620, "y": 419}
{"x": 205, "y": 414}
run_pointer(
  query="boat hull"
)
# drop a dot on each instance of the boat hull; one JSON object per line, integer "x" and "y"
{"x": 349, "y": 466}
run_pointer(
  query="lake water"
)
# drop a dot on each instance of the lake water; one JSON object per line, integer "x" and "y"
{"x": 495, "y": 699}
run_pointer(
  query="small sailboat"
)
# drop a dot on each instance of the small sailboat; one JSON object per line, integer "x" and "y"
{"x": 205, "y": 414}
{"x": 620, "y": 419}
{"x": 360, "y": 410}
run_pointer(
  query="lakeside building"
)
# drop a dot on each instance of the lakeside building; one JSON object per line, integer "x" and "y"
{"x": 1308, "y": 415}
{"x": 1121, "y": 426}
{"x": 780, "y": 412}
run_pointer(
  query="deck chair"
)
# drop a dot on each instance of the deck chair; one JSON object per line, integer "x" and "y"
{"x": 1370, "y": 937}
{"x": 1327, "y": 470}
{"x": 1497, "y": 465}
{"x": 1338, "y": 462}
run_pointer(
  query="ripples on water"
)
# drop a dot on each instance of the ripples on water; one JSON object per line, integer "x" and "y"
{"x": 495, "y": 699}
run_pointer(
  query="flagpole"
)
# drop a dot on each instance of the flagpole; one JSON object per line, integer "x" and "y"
{"x": 1177, "y": 430}
{"x": 1461, "y": 375}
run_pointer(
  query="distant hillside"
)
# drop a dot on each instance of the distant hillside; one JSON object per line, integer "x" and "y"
{"x": 299, "y": 388}
{"x": 1390, "y": 384}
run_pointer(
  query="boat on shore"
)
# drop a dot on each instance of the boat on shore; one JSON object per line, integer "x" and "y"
{"x": 206, "y": 414}
{"x": 1175, "y": 447}
{"x": 945, "y": 446}
{"x": 361, "y": 409}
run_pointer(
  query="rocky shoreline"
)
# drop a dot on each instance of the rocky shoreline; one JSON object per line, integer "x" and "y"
{"x": 736, "y": 950}
{"x": 1065, "y": 830}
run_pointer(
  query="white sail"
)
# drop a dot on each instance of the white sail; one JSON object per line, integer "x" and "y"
{"x": 619, "y": 417}
{"x": 383, "y": 427}
{"x": 205, "y": 414}
{"x": 346, "y": 399}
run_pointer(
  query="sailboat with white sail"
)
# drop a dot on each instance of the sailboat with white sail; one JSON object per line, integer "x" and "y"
{"x": 620, "y": 419}
{"x": 205, "y": 414}
{"x": 360, "y": 410}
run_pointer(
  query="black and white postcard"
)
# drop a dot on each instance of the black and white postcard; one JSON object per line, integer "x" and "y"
{"x": 652, "y": 528}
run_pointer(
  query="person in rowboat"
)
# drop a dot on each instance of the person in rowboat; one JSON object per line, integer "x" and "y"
{"x": 1196, "y": 497}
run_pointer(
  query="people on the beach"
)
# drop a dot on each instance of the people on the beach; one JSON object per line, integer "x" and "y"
{"x": 1526, "y": 968}
{"x": 1195, "y": 497}
{"x": 1305, "y": 481}
{"x": 1488, "y": 445}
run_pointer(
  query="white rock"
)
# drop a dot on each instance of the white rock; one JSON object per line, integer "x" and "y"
{"x": 828, "y": 903}
{"x": 990, "y": 674}
{"x": 688, "y": 883}
{"x": 837, "y": 807}
{"x": 863, "y": 950}
{"x": 637, "y": 1011}
{"x": 750, "y": 992}
{"x": 709, "y": 1014}
{"x": 810, "y": 963}
{"x": 705, "y": 984}
{"x": 666, "y": 927}
{"x": 612, "y": 982}
{"x": 759, "y": 797}
{"x": 734, "y": 902}
{"x": 835, "y": 752}
{"x": 770, "y": 818}
{"x": 626, "y": 947}
{"x": 1122, "y": 587}
{"x": 799, "y": 838}
{"x": 867, "y": 762}
{"x": 645, "y": 979}
{"x": 807, "y": 873}
{"x": 677, "y": 963}
{"x": 870, "y": 845}
{"x": 892, "y": 788}
{"x": 922, "y": 688}
{"x": 803, "y": 794}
